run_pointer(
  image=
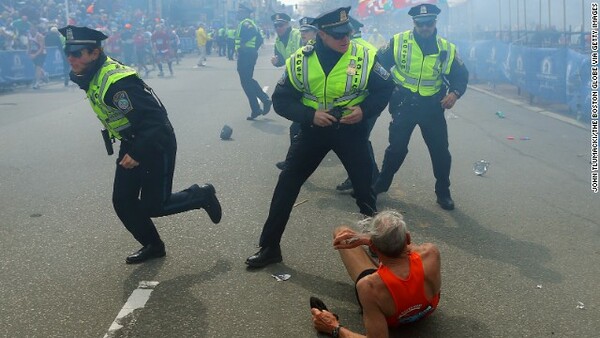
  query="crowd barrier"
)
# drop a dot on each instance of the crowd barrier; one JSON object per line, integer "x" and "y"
{"x": 557, "y": 75}
{"x": 17, "y": 67}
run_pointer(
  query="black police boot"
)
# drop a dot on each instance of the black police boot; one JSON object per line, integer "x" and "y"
{"x": 445, "y": 202}
{"x": 281, "y": 165}
{"x": 253, "y": 115}
{"x": 346, "y": 185}
{"x": 211, "y": 203}
{"x": 265, "y": 256}
{"x": 149, "y": 251}
{"x": 267, "y": 107}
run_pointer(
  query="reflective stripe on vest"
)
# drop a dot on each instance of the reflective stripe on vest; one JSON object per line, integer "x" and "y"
{"x": 113, "y": 119}
{"x": 346, "y": 84}
{"x": 292, "y": 45}
{"x": 417, "y": 73}
{"x": 250, "y": 43}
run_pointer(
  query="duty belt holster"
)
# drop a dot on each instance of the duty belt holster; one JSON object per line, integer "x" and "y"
{"x": 108, "y": 141}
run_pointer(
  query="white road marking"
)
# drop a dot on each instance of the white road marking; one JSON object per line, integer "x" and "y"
{"x": 137, "y": 300}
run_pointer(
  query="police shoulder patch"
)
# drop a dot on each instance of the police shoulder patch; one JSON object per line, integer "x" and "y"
{"x": 122, "y": 101}
{"x": 379, "y": 70}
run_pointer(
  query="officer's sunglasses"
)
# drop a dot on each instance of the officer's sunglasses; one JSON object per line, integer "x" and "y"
{"x": 339, "y": 36}
{"x": 76, "y": 54}
{"x": 425, "y": 24}
{"x": 279, "y": 25}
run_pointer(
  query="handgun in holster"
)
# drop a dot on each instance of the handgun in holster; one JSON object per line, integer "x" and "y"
{"x": 336, "y": 112}
{"x": 108, "y": 141}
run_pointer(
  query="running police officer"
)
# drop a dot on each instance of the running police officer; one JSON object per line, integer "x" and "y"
{"x": 331, "y": 87}
{"x": 430, "y": 77}
{"x": 133, "y": 114}
{"x": 287, "y": 41}
{"x": 247, "y": 41}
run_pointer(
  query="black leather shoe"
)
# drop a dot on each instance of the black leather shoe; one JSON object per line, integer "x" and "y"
{"x": 267, "y": 107}
{"x": 446, "y": 203}
{"x": 149, "y": 251}
{"x": 253, "y": 115}
{"x": 346, "y": 185}
{"x": 211, "y": 203}
{"x": 281, "y": 165}
{"x": 265, "y": 256}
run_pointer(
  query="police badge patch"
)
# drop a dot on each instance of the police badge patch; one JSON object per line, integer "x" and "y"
{"x": 122, "y": 102}
{"x": 378, "y": 68}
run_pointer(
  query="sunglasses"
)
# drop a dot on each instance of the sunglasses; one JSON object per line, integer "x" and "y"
{"x": 279, "y": 25}
{"x": 76, "y": 54}
{"x": 339, "y": 36}
{"x": 425, "y": 24}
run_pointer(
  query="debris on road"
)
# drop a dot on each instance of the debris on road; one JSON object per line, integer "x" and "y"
{"x": 282, "y": 277}
{"x": 580, "y": 306}
{"x": 480, "y": 167}
{"x": 500, "y": 114}
{"x": 301, "y": 202}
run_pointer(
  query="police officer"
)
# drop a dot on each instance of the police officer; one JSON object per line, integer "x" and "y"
{"x": 308, "y": 32}
{"x": 133, "y": 114}
{"x": 287, "y": 40}
{"x": 430, "y": 77}
{"x": 346, "y": 86}
{"x": 247, "y": 41}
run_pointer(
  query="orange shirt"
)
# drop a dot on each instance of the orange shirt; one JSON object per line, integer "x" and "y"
{"x": 408, "y": 294}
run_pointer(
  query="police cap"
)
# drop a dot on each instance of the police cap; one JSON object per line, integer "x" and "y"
{"x": 306, "y": 24}
{"x": 280, "y": 17}
{"x": 424, "y": 13}
{"x": 77, "y": 38}
{"x": 334, "y": 21}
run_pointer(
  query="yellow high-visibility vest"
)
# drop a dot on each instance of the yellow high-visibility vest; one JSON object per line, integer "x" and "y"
{"x": 417, "y": 73}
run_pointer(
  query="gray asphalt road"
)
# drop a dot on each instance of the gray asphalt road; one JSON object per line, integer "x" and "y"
{"x": 519, "y": 252}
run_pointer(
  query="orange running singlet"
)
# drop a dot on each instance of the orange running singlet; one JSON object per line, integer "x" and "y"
{"x": 408, "y": 294}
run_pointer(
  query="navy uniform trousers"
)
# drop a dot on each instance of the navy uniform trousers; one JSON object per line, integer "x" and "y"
{"x": 350, "y": 144}
{"x": 430, "y": 119}
{"x": 145, "y": 191}
{"x": 245, "y": 67}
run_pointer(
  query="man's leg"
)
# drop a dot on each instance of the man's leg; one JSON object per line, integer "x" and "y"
{"x": 128, "y": 207}
{"x": 157, "y": 182}
{"x": 245, "y": 67}
{"x": 347, "y": 184}
{"x": 352, "y": 148}
{"x": 435, "y": 133}
{"x": 305, "y": 156}
{"x": 400, "y": 130}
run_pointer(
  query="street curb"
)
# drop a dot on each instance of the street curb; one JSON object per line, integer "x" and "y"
{"x": 534, "y": 109}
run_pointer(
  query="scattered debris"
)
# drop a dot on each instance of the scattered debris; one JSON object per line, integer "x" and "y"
{"x": 500, "y": 114}
{"x": 301, "y": 202}
{"x": 580, "y": 306}
{"x": 226, "y": 132}
{"x": 524, "y": 138}
{"x": 281, "y": 277}
{"x": 539, "y": 286}
{"x": 480, "y": 167}
{"x": 510, "y": 137}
